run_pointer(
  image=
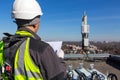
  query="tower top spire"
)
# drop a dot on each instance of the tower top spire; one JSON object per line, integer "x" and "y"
{"x": 84, "y": 14}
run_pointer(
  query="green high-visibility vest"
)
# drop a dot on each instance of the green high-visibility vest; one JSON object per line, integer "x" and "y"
{"x": 1, "y": 53}
{"x": 24, "y": 67}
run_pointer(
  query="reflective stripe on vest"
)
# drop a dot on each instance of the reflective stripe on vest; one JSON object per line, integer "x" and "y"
{"x": 1, "y": 53}
{"x": 25, "y": 68}
{"x": 24, "y": 33}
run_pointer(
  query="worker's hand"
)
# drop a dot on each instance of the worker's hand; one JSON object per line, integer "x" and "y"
{"x": 60, "y": 53}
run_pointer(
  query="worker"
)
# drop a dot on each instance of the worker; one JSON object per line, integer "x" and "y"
{"x": 24, "y": 55}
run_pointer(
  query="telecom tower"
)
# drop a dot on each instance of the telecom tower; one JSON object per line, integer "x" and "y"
{"x": 85, "y": 33}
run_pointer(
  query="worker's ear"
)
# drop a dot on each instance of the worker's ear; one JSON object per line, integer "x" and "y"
{"x": 36, "y": 27}
{"x": 33, "y": 26}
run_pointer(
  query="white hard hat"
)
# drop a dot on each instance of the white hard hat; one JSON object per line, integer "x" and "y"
{"x": 26, "y": 9}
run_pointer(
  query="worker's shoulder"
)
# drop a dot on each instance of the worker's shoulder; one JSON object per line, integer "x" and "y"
{"x": 38, "y": 45}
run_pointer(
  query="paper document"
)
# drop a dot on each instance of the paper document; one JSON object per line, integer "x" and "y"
{"x": 56, "y": 45}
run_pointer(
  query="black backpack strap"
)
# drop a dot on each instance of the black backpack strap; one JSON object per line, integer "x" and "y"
{"x": 11, "y": 44}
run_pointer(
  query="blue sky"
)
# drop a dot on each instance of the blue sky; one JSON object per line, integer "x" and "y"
{"x": 61, "y": 19}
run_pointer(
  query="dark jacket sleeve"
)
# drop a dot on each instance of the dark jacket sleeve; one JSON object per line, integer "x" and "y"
{"x": 53, "y": 66}
{"x": 44, "y": 57}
